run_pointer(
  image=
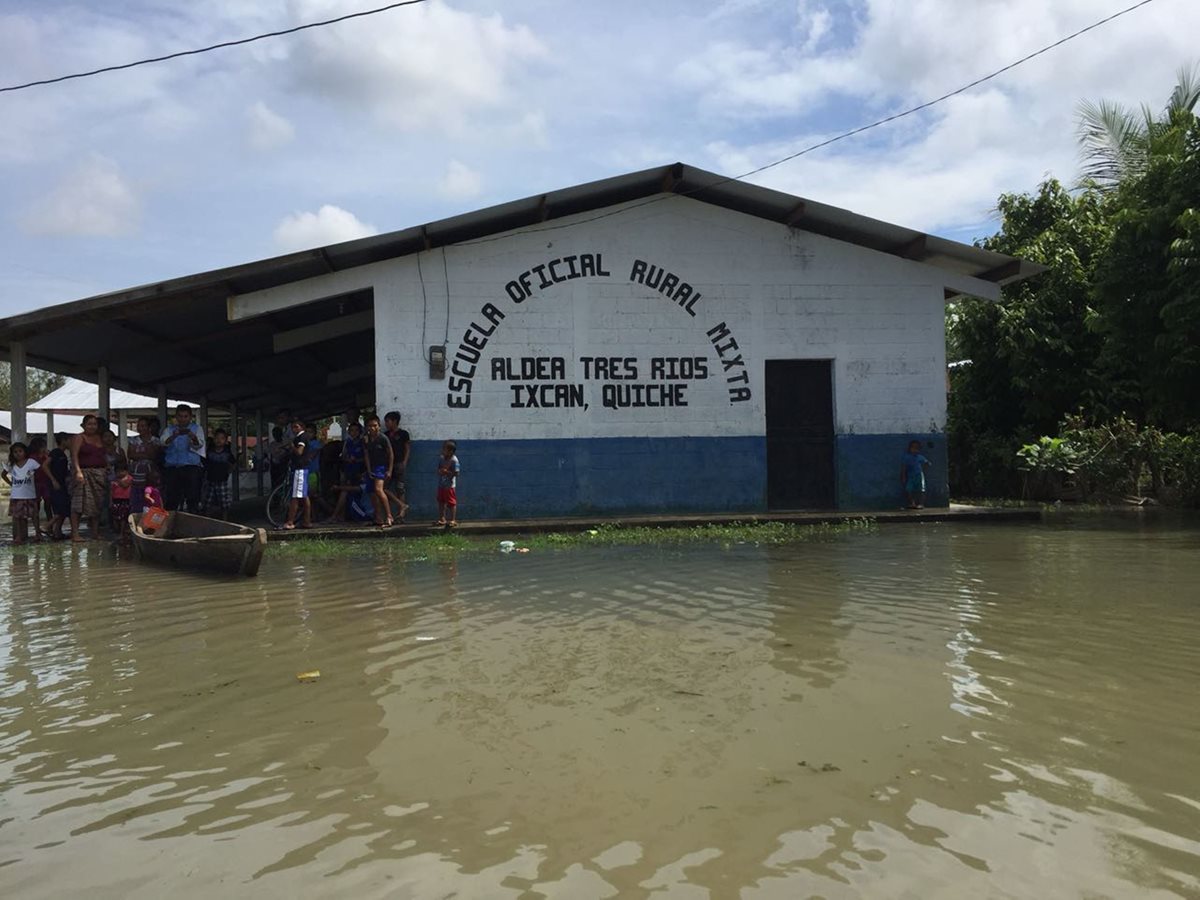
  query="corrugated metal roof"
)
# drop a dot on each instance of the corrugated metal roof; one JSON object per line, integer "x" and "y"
{"x": 177, "y": 331}
{"x": 78, "y": 396}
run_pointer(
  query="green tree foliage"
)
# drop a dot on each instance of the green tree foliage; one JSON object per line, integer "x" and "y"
{"x": 37, "y": 385}
{"x": 1112, "y": 327}
{"x": 1147, "y": 287}
{"x": 1118, "y": 144}
{"x": 1034, "y": 355}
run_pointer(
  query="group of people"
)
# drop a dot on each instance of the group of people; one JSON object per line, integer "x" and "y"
{"x": 364, "y": 477}
{"x": 88, "y": 477}
{"x": 368, "y": 470}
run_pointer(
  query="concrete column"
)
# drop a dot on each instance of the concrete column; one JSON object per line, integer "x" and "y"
{"x": 122, "y": 428}
{"x": 202, "y": 418}
{"x": 235, "y": 426}
{"x": 260, "y": 451}
{"x": 162, "y": 406}
{"x": 103, "y": 404}
{"x": 50, "y": 429}
{"x": 19, "y": 394}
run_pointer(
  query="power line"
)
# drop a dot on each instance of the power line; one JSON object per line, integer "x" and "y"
{"x": 222, "y": 45}
{"x": 840, "y": 137}
{"x": 954, "y": 93}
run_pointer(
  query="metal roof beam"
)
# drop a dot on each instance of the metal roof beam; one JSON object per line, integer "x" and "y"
{"x": 916, "y": 249}
{"x": 295, "y": 338}
{"x": 1009, "y": 269}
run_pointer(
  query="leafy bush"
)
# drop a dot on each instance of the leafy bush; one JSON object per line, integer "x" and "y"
{"x": 1111, "y": 460}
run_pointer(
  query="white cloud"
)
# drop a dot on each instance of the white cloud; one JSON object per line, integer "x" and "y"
{"x": 460, "y": 181}
{"x": 267, "y": 130}
{"x": 429, "y": 66}
{"x": 328, "y": 225}
{"x": 92, "y": 200}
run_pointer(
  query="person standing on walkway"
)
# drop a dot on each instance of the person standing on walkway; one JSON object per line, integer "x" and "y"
{"x": 89, "y": 484}
{"x": 183, "y": 470}
{"x": 143, "y": 453}
{"x": 380, "y": 461}
{"x": 912, "y": 475}
{"x": 401, "y": 444}
{"x": 447, "y": 490}
{"x": 218, "y": 464}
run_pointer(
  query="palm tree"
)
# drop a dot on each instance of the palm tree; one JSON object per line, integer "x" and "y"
{"x": 1117, "y": 142}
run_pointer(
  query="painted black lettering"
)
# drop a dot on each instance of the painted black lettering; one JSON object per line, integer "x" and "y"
{"x": 718, "y": 332}
{"x": 653, "y": 278}
{"x": 554, "y": 276}
{"x": 738, "y": 395}
{"x": 587, "y": 265}
{"x": 572, "y": 269}
{"x": 476, "y": 337}
{"x": 493, "y": 315}
{"x": 729, "y": 345}
{"x": 732, "y": 363}
{"x": 638, "y": 273}
{"x": 541, "y": 273}
{"x": 600, "y": 270}
{"x": 515, "y": 291}
{"x": 669, "y": 283}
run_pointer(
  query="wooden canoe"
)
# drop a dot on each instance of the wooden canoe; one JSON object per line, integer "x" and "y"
{"x": 196, "y": 542}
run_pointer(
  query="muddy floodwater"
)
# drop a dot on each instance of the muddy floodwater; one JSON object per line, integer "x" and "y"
{"x": 927, "y": 711}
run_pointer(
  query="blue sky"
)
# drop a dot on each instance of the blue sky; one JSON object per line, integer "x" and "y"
{"x": 432, "y": 110}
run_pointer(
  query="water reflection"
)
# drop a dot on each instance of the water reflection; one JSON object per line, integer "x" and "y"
{"x": 925, "y": 710}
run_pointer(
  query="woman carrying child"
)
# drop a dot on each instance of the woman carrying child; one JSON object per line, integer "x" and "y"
{"x": 23, "y": 505}
{"x": 143, "y": 454}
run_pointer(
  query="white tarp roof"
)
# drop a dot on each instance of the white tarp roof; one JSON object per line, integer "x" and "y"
{"x": 35, "y": 423}
{"x": 78, "y": 396}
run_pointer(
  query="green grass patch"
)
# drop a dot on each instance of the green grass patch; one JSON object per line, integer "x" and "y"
{"x": 450, "y": 545}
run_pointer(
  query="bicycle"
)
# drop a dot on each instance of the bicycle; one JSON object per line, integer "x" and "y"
{"x": 277, "y": 505}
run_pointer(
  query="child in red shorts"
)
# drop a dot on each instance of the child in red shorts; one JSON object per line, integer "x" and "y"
{"x": 447, "y": 499}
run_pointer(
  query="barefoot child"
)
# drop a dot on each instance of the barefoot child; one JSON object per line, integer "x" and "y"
{"x": 912, "y": 475}
{"x": 447, "y": 498}
{"x": 401, "y": 444}
{"x": 380, "y": 460}
{"x": 60, "y": 484}
{"x": 118, "y": 507}
{"x": 23, "y": 506}
{"x": 42, "y": 483}
{"x": 218, "y": 463}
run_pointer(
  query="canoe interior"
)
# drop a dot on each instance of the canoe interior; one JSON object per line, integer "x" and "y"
{"x": 201, "y": 544}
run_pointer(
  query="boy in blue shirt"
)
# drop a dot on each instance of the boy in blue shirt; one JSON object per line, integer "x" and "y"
{"x": 912, "y": 475}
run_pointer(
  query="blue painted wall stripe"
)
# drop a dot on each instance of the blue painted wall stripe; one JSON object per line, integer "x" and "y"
{"x": 590, "y": 476}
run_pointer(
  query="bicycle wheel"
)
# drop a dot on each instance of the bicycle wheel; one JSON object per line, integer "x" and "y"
{"x": 277, "y": 505}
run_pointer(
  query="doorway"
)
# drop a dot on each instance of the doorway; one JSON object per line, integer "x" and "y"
{"x": 800, "y": 439}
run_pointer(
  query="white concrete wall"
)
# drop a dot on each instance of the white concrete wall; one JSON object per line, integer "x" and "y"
{"x": 782, "y": 294}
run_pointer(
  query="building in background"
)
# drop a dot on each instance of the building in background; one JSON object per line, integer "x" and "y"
{"x": 666, "y": 340}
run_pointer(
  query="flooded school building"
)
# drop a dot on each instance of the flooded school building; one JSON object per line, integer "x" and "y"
{"x": 667, "y": 340}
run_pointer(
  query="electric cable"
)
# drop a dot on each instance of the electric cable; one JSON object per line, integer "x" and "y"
{"x": 210, "y": 48}
{"x": 658, "y": 198}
